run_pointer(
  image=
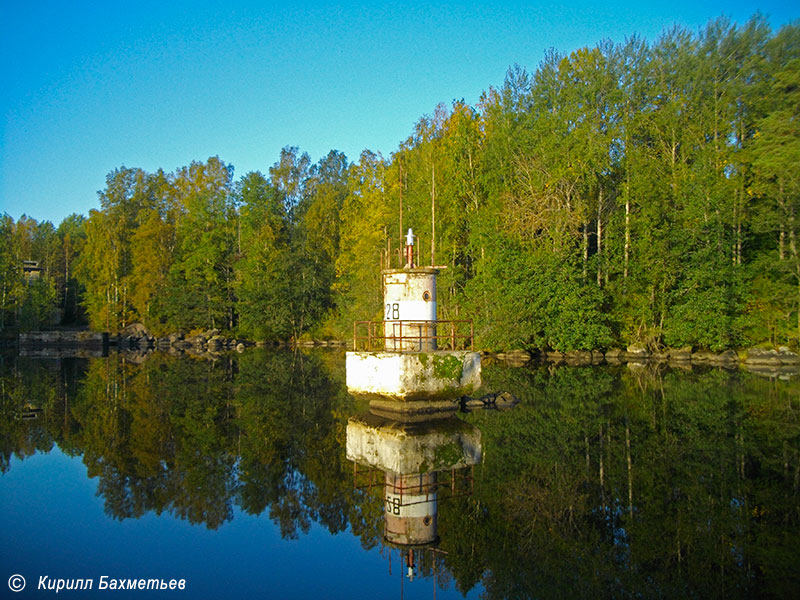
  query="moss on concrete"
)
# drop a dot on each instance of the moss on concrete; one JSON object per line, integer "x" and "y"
{"x": 448, "y": 367}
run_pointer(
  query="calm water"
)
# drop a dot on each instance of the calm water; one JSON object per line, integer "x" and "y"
{"x": 232, "y": 475}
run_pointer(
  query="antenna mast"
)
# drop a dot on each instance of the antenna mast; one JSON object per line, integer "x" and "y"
{"x": 433, "y": 214}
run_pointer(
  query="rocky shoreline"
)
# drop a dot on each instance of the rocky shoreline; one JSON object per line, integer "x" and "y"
{"x": 762, "y": 361}
{"x": 211, "y": 343}
{"x": 637, "y": 353}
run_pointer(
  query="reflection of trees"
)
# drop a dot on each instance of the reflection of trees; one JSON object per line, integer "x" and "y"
{"x": 33, "y": 388}
{"x": 158, "y": 437}
{"x": 196, "y": 438}
{"x": 648, "y": 482}
{"x": 263, "y": 431}
{"x": 645, "y": 484}
{"x": 290, "y": 449}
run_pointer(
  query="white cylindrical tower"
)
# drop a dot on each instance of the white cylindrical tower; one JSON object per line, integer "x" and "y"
{"x": 409, "y": 309}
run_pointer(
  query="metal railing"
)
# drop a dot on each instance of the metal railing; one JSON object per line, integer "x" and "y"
{"x": 413, "y": 336}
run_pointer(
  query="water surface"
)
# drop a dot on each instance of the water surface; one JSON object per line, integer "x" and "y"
{"x": 232, "y": 474}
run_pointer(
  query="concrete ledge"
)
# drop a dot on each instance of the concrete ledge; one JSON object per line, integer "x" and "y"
{"x": 88, "y": 339}
{"x": 413, "y": 376}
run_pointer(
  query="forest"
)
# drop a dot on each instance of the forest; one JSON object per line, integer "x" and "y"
{"x": 629, "y": 192}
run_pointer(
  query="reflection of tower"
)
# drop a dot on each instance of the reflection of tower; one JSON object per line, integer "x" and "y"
{"x": 410, "y": 508}
{"x": 421, "y": 464}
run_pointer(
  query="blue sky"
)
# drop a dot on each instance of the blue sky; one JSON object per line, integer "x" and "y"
{"x": 86, "y": 87}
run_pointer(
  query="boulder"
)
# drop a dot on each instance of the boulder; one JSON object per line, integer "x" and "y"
{"x": 787, "y": 356}
{"x": 505, "y": 400}
{"x": 637, "y": 349}
{"x": 636, "y": 352}
{"x": 725, "y": 358}
{"x": 135, "y": 330}
{"x": 762, "y": 356}
{"x": 578, "y": 357}
{"x": 680, "y": 354}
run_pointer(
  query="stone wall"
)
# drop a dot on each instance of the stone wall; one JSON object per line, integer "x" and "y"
{"x": 81, "y": 339}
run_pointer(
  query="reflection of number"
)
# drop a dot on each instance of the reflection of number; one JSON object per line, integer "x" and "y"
{"x": 392, "y": 312}
{"x": 393, "y": 505}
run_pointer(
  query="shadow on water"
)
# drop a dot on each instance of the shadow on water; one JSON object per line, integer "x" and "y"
{"x": 603, "y": 481}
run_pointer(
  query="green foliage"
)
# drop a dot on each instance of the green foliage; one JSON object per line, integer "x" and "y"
{"x": 541, "y": 301}
{"x": 263, "y": 234}
{"x": 202, "y": 276}
{"x": 37, "y": 305}
{"x": 636, "y": 192}
{"x": 48, "y": 295}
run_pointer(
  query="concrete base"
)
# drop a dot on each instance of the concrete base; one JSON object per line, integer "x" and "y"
{"x": 413, "y": 376}
{"x": 406, "y": 448}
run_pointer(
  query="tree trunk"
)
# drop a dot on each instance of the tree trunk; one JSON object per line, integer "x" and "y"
{"x": 600, "y": 238}
{"x": 585, "y": 248}
{"x": 739, "y": 217}
{"x": 627, "y": 249}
